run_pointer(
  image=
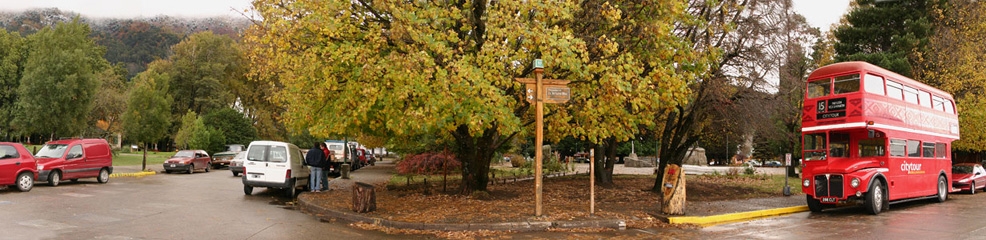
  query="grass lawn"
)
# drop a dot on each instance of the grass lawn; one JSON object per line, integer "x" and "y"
{"x": 134, "y": 159}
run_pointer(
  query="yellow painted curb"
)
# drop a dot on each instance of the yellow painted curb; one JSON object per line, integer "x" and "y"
{"x": 135, "y": 174}
{"x": 732, "y": 217}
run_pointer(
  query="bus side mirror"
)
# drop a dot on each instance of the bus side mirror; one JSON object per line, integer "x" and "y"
{"x": 871, "y": 134}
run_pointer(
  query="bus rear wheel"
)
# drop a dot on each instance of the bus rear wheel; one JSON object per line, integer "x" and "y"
{"x": 875, "y": 201}
{"x": 943, "y": 189}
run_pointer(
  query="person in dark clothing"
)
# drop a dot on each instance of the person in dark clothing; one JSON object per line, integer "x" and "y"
{"x": 326, "y": 164}
{"x": 315, "y": 159}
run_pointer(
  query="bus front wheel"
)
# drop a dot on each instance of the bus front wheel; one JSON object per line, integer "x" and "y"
{"x": 875, "y": 201}
{"x": 813, "y": 204}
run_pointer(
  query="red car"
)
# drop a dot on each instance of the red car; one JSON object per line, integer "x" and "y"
{"x": 17, "y": 166}
{"x": 188, "y": 161}
{"x": 72, "y": 159}
{"x": 968, "y": 177}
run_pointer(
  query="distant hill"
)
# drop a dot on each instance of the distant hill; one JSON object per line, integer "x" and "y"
{"x": 131, "y": 42}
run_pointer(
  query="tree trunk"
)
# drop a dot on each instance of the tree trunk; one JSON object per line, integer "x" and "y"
{"x": 673, "y": 201}
{"x": 364, "y": 198}
{"x": 143, "y": 163}
{"x": 604, "y": 169}
{"x": 475, "y": 153}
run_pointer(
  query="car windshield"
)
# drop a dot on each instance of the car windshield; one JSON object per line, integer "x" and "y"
{"x": 961, "y": 169}
{"x": 52, "y": 150}
{"x": 185, "y": 154}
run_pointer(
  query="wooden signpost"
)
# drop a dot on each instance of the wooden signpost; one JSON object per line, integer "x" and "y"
{"x": 540, "y": 91}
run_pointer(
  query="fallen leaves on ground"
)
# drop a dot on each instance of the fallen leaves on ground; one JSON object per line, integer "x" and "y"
{"x": 565, "y": 199}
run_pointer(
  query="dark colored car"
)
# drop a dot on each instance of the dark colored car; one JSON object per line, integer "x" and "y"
{"x": 968, "y": 177}
{"x": 221, "y": 159}
{"x": 17, "y": 166}
{"x": 772, "y": 164}
{"x": 188, "y": 161}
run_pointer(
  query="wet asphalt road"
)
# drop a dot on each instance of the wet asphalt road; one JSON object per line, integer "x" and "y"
{"x": 163, "y": 206}
{"x": 962, "y": 216}
{"x": 212, "y": 206}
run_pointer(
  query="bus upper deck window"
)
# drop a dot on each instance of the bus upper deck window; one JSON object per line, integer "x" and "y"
{"x": 819, "y": 88}
{"x": 846, "y": 84}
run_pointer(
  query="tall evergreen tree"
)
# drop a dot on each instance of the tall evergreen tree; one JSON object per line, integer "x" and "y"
{"x": 890, "y": 34}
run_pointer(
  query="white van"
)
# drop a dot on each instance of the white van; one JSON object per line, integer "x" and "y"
{"x": 274, "y": 164}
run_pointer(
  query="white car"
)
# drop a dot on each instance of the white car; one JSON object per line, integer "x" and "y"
{"x": 273, "y": 164}
{"x": 236, "y": 164}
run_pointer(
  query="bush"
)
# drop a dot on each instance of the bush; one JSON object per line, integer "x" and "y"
{"x": 517, "y": 160}
{"x": 749, "y": 170}
{"x": 428, "y": 163}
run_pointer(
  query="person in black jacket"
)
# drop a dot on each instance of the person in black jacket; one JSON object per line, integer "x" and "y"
{"x": 315, "y": 159}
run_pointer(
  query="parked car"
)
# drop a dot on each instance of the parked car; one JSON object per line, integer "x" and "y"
{"x": 236, "y": 164}
{"x": 72, "y": 159}
{"x": 752, "y": 163}
{"x": 968, "y": 177}
{"x": 772, "y": 163}
{"x": 273, "y": 164}
{"x": 17, "y": 166}
{"x": 188, "y": 161}
{"x": 221, "y": 159}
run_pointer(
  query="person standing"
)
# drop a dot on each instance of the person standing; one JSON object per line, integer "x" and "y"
{"x": 326, "y": 164}
{"x": 315, "y": 161}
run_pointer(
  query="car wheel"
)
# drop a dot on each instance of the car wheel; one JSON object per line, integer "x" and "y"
{"x": 25, "y": 181}
{"x": 874, "y": 201}
{"x": 207, "y": 167}
{"x": 942, "y": 189}
{"x": 972, "y": 188}
{"x": 54, "y": 177}
{"x": 291, "y": 191}
{"x": 104, "y": 176}
{"x": 167, "y": 171}
{"x": 191, "y": 169}
{"x": 247, "y": 189}
{"x": 813, "y": 204}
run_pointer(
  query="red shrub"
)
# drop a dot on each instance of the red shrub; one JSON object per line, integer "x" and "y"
{"x": 429, "y": 163}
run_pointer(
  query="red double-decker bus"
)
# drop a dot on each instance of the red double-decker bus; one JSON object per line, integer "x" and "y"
{"x": 873, "y": 136}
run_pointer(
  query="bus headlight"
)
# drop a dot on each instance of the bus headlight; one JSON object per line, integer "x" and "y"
{"x": 854, "y": 183}
{"x": 806, "y": 183}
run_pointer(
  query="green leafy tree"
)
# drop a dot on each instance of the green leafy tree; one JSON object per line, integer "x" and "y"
{"x": 890, "y": 34}
{"x": 235, "y": 126}
{"x": 205, "y": 68}
{"x": 56, "y": 101}
{"x": 186, "y": 129}
{"x": 12, "y": 53}
{"x": 110, "y": 101}
{"x": 206, "y": 138}
{"x": 148, "y": 113}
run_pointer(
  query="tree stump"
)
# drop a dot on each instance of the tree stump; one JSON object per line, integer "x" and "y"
{"x": 364, "y": 198}
{"x": 674, "y": 190}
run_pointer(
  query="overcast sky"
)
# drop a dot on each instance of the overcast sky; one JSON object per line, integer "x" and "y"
{"x": 820, "y": 13}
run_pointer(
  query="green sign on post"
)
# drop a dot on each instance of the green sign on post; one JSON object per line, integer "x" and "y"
{"x": 538, "y": 63}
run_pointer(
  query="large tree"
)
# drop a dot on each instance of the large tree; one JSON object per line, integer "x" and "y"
{"x": 12, "y": 52}
{"x": 59, "y": 81}
{"x": 751, "y": 37}
{"x": 148, "y": 113}
{"x": 890, "y": 34}
{"x": 637, "y": 69}
{"x": 236, "y": 127}
{"x": 955, "y": 65}
{"x": 443, "y": 68}
{"x": 204, "y": 70}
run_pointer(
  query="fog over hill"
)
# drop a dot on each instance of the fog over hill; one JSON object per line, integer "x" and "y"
{"x": 132, "y": 42}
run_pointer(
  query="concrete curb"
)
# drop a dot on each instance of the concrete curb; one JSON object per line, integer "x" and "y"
{"x": 134, "y": 174}
{"x": 706, "y": 221}
{"x": 326, "y": 214}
